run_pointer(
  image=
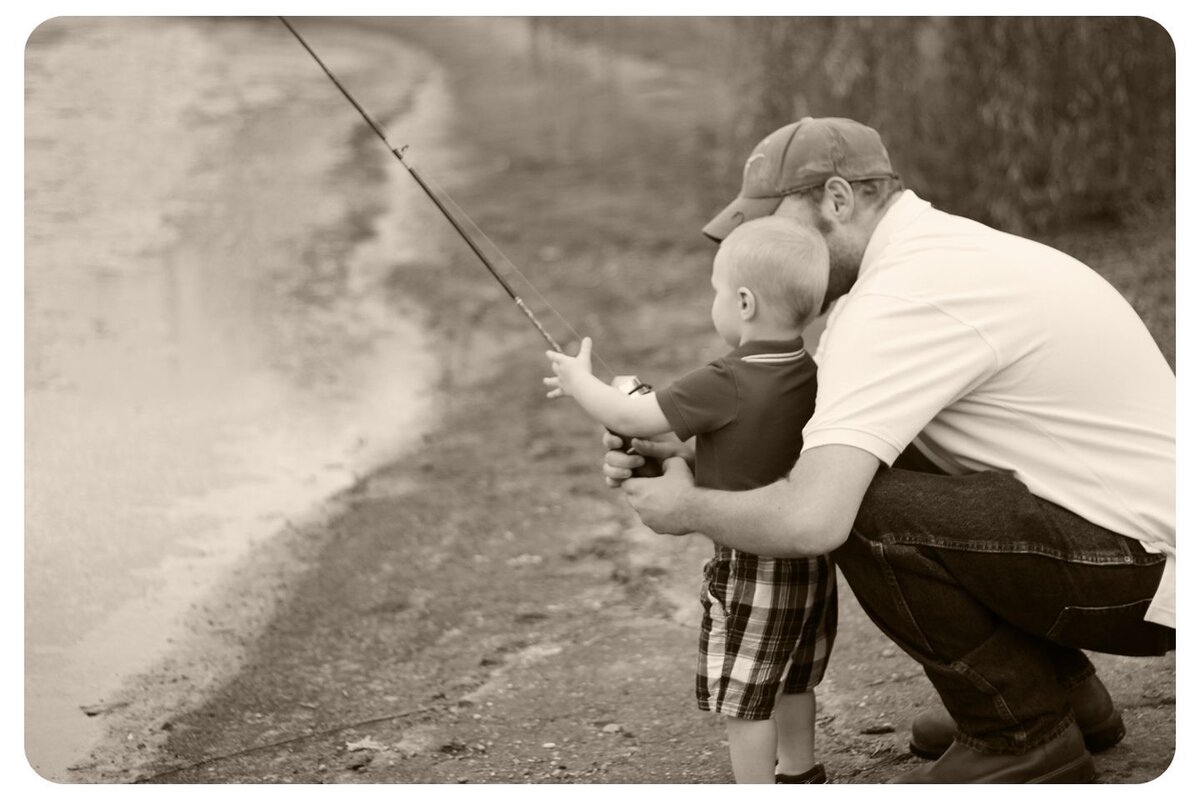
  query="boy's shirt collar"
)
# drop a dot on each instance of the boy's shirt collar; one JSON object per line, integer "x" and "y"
{"x": 775, "y": 349}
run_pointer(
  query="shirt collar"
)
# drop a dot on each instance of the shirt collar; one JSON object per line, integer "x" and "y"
{"x": 906, "y": 209}
{"x": 771, "y": 346}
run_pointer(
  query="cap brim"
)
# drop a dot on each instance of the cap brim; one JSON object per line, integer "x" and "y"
{"x": 740, "y": 210}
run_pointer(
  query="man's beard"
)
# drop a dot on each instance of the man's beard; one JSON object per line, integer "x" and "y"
{"x": 843, "y": 265}
{"x": 841, "y": 280}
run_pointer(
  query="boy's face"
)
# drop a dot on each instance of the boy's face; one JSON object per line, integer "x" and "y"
{"x": 726, "y": 307}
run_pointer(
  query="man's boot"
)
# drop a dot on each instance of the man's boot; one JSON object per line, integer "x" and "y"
{"x": 1063, "y": 759}
{"x": 933, "y": 731}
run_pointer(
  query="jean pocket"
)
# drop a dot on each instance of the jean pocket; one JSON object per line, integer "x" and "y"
{"x": 1119, "y": 629}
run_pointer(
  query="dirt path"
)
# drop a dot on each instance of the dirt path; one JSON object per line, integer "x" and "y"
{"x": 486, "y": 611}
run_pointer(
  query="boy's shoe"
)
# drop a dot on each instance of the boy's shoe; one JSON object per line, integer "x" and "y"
{"x": 1100, "y": 722}
{"x": 814, "y": 775}
{"x": 1063, "y": 759}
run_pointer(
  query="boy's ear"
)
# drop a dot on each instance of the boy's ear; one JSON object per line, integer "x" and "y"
{"x": 747, "y": 303}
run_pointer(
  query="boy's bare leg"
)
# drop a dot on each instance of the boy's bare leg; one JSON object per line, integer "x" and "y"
{"x": 795, "y": 720}
{"x": 752, "y": 745}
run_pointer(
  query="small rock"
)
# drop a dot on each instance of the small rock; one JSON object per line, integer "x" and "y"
{"x": 549, "y": 745}
{"x": 361, "y": 761}
{"x": 612, "y": 727}
{"x": 365, "y": 743}
{"x": 101, "y": 708}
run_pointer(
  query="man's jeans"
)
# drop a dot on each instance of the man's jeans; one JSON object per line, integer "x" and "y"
{"x": 994, "y": 591}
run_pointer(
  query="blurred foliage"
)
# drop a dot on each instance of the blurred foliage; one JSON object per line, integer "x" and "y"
{"x": 1024, "y": 122}
{"x": 1027, "y": 123}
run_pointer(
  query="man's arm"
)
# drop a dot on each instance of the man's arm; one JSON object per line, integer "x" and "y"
{"x": 808, "y": 513}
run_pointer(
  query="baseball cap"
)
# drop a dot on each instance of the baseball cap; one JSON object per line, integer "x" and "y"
{"x": 799, "y": 156}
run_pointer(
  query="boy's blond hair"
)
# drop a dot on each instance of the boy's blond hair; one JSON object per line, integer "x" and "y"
{"x": 784, "y": 263}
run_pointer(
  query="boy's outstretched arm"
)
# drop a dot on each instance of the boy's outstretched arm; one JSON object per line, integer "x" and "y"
{"x": 628, "y": 414}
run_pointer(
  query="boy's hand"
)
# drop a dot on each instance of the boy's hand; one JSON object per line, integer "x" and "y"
{"x": 568, "y": 371}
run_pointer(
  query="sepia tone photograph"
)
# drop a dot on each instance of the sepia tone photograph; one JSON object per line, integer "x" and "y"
{"x": 474, "y": 400}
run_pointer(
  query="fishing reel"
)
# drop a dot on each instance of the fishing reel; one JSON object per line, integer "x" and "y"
{"x": 629, "y": 384}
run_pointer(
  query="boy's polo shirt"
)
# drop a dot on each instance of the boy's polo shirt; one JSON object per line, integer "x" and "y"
{"x": 747, "y": 411}
{"x": 993, "y": 352}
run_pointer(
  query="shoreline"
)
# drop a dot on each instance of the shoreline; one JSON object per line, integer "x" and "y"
{"x": 206, "y": 641}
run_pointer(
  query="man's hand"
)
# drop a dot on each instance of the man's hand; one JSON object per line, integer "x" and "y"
{"x": 660, "y": 501}
{"x": 568, "y": 371}
{"x": 619, "y": 465}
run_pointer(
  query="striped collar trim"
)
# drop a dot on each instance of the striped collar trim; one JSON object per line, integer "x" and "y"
{"x": 776, "y": 358}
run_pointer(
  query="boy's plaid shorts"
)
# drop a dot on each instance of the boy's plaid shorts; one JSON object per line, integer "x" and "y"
{"x": 767, "y": 622}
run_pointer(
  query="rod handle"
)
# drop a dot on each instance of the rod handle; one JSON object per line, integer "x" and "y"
{"x": 653, "y": 468}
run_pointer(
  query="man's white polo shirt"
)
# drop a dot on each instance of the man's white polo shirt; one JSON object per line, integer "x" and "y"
{"x": 993, "y": 352}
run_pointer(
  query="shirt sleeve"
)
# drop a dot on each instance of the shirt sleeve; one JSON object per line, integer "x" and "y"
{"x": 702, "y": 401}
{"x": 889, "y": 365}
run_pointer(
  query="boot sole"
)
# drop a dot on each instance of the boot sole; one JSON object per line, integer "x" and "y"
{"x": 1081, "y": 770}
{"x": 1097, "y": 739}
{"x": 927, "y": 754}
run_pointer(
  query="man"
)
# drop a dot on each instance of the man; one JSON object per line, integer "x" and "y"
{"x": 991, "y": 461}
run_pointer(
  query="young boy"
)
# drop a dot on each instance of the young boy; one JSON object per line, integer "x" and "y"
{"x": 768, "y": 624}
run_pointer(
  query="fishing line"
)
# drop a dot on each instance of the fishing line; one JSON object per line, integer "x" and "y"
{"x": 429, "y": 187}
{"x": 446, "y": 198}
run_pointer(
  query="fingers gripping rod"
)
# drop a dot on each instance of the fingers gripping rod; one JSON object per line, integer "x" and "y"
{"x": 399, "y": 154}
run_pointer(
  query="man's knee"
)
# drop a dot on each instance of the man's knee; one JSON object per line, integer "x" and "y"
{"x": 915, "y": 507}
{"x": 894, "y": 499}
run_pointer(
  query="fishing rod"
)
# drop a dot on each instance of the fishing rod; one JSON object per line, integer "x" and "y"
{"x": 629, "y": 384}
{"x": 398, "y": 152}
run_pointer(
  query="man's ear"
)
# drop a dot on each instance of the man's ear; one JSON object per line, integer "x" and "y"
{"x": 747, "y": 303}
{"x": 839, "y": 198}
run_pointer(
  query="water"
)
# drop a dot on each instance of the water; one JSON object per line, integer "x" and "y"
{"x": 209, "y": 352}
